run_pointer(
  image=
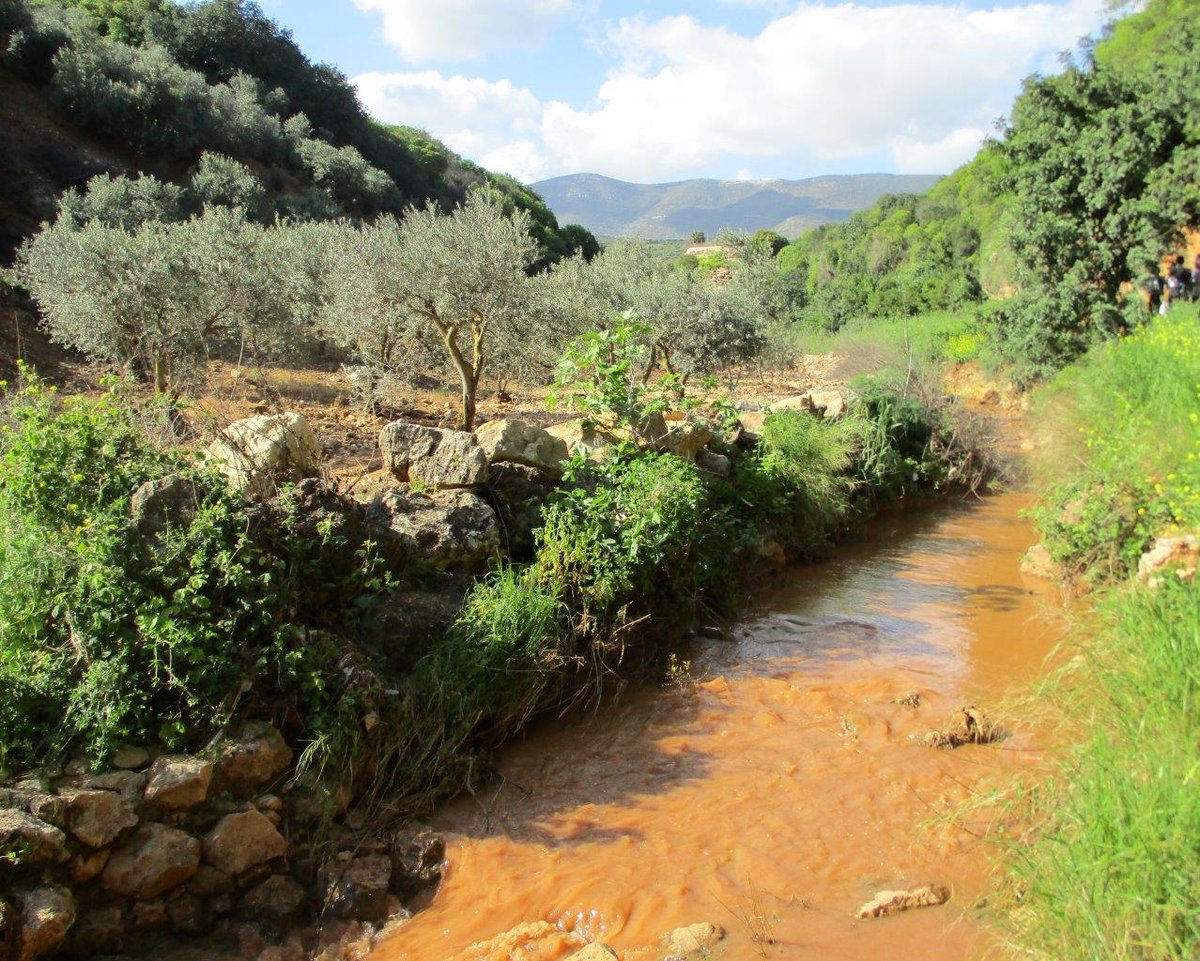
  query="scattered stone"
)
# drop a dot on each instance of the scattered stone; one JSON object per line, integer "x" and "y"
{"x": 970, "y": 726}
{"x": 130, "y": 758}
{"x": 433, "y": 457}
{"x": 417, "y": 863}
{"x": 831, "y": 404}
{"x": 717, "y": 464}
{"x": 208, "y": 881}
{"x": 179, "y": 782}
{"x": 276, "y": 901}
{"x": 752, "y": 422}
{"x": 452, "y": 528}
{"x": 129, "y": 784}
{"x": 912, "y": 700}
{"x": 1180, "y": 555}
{"x": 46, "y": 916}
{"x": 683, "y": 438}
{"x": 30, "y": 841}
{"x": 49, "y": 808}
{"x": 255, "y": 453}
{"x": 886, "y": 903}
{"x": 154, "y": 859}
{"x": 87, "y": 865}
{"x": 694, "y": 938}
{"x": 516, "y": 442}
{"x": 800, "y": 402}
{"x": 149, "y": 914}
{"x": 584, "y": 437}
{"x": 241, "y": 841}
{"x": 596, "y": 951}
{"x": 254, "y": 756}
{"x": 357, "y": 889}
{"x": 1037, "y": 562}
{"x": 97, "y": 817}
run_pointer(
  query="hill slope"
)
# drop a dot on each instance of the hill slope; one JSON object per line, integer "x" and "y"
{"x": 668, "y": 211}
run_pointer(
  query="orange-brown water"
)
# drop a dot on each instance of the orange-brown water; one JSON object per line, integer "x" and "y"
{"x": 783, "y": 789}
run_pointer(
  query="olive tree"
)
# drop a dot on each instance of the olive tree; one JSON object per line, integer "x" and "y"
{"x": 456, "y": 280}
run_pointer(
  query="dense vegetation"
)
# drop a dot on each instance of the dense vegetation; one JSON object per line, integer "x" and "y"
{"x": 173, "y": 83}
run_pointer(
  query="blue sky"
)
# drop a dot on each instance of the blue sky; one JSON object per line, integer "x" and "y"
{"x": 662, "y": 91}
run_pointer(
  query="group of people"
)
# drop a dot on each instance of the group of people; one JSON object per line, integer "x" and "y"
{"x": 1180, "y": 283}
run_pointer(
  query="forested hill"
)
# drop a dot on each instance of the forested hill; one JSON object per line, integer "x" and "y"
{"x": 671, "y": 211}
{"x": 95, "y": 86}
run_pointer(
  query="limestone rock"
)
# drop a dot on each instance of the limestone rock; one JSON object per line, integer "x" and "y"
{"x": 154, "y": 859}
{"x": 596, "y": 951}
{"x": 1037, "y": 562}
{"x": 47, "y": 807}
{"x": 433, "y": 457}
{"x": 130, "y": 758}
{"x": 179, "y": 782}
{"x": 276, "y": 901}
{"x": 583, "y": 437}
{"x": 358, "y": 889}
{"x": 128, "y": 784}
{"x": 968, "y": 726}
{"x": 98, "y": 931}
{"x": 893, "y": 902}
{"x": 694, "y": 938}
{"x": 516, "y": 442}
{"x": 46, "y": 916}
{"x": 189, "y": 914}
{"x": 242, "y": 841}
{"x": 255, "y": 453}
{"x": 452, "y": 528}
{"x": 717, "y": 464}
{"x": 97, "y": 817}
{"x": 800, "y": 402}
{"x": 87, "y": 865}
{"x": 31, "y": 841}
{"x": 752, "y": 421}
{"x": 683, "y": 438}
{"x": 831, "y": 404}
{"x": 254, "y": 756}
{"x": 1178, "y": 554}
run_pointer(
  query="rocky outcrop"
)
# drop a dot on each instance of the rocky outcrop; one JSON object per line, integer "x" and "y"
{"x": 254, "y": 756}
{"x": 1175, "y": 555}
{"x": 433, "y": 458}
{"x": 511, "y": 441}
{"x": 358, "y": 888}
{"x": 47, "y": 914}
{"x": 256, "y": 453}
{"x": 678, "y": 436}
{"x": 518, "y": 494}
{"x": 179, "y": 782}
{"x": 450, "y": 528}
{"x": 97, "y": 817}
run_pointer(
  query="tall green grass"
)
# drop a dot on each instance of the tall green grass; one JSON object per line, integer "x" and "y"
{"x": 1114, "y": 869}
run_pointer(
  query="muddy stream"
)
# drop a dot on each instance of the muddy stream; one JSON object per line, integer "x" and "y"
{"x": 783, "y": 787}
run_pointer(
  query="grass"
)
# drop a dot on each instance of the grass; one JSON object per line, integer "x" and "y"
{"x": 1113, "y": 871}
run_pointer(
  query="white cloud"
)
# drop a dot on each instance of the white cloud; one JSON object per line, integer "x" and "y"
{"x": 424, "y": 30}
{"x": 821, "y": 87}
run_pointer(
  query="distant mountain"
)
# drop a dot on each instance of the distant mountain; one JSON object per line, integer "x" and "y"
{"x": 615, "y": 208}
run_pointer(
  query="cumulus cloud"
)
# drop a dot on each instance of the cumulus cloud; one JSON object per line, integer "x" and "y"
{"x": 465, "y": 29}
{"x": 820, "y": 87}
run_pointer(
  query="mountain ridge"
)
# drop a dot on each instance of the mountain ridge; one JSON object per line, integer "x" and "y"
{"x": 673, "y": 210}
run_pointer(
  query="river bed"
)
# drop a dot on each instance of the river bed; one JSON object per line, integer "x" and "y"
{"x": 784, "y": 784}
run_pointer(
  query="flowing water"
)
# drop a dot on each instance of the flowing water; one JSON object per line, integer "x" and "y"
{"x": 782, "y": 789}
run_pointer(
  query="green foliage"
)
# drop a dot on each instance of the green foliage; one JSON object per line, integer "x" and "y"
{"x": 1113, "y": 869}
{"x": 123, "y": 20}
{"x": 1129, "y": 409}
{"x": 110, "y": 634}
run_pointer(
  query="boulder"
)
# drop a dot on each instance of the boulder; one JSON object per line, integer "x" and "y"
{"x": 433, "y": 457}
{"x": 130, "y": 758}
{"x": 518, "y": 494}
{"x": 717, "y": 464}
{"x": 97, "y": 817}
{"x": 33, "y": 843}
{"x": 1037, "y": 562}
{"x": 752, "y": 422}
{"x": 179, "y": 782}
{"x": 241, "y": 841}
{"x": 683, "y": 438}
{"x": 418, "y": 859}
{"x": 693, "y": 940}
{"x": 47, "y": 807}
{"x": 1176, "y": 554}
{"x": 801, "y": 402}
{"x": 46, "y": 916}
{"x": 452, "y": 528}
{"x": 585, "y": 438}
{"x": 276, "y": 901}
{"x": 255, "y": 453}
{"x": 357, "y": 889}
{"x": 154, "y": 859}
{"x": 831, "y": 404}
{"x": 596, "y": 951}
{"x": 158, "y": 506}
{"x": 511, "y": 441}
{"x": 886, "y": 903}
{"x": 252, "y": 757}
{"x": 87, "y": 865}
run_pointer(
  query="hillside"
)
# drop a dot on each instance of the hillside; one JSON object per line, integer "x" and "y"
{"x": 669, "y": 211}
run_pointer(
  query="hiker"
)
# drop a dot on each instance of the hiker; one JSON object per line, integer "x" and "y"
{"x": 1153, "y": 286}
{"x": 1175, "y": 286}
